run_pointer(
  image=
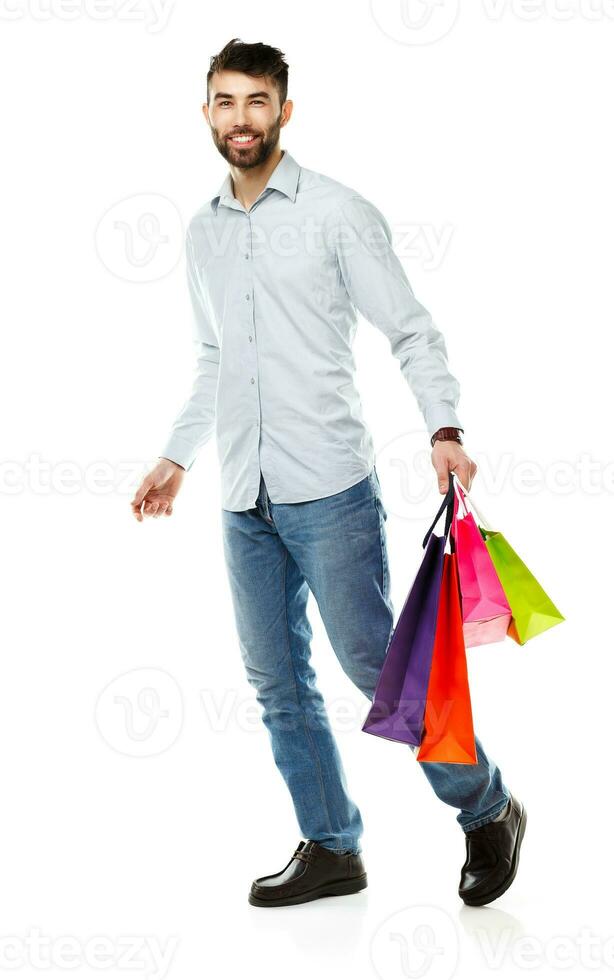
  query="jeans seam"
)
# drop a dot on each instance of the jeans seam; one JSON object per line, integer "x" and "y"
{"x": 298, "y": 697}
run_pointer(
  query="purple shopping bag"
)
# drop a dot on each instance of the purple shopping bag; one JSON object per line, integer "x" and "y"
{"x": 398, "y": 707}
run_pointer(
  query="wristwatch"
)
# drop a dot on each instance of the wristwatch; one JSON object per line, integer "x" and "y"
{"x": 446, "y": 433}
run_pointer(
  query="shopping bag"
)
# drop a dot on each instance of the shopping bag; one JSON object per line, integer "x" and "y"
{"x": 397, "y": 711}
{"x": 533, "y": 611}
{"x": 486, "y": 612}
{"x": 448, "y": 721}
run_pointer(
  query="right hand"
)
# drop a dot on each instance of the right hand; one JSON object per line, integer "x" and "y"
{"x": 158, "y": 490}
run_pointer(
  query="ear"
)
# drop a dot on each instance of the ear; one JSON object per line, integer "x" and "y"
{"x": 288, "y": 106}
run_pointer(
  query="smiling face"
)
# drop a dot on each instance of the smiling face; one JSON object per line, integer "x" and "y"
{"x": 245, "y": 117}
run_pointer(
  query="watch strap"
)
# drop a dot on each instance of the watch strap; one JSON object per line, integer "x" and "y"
{"x": 447, "y": 433}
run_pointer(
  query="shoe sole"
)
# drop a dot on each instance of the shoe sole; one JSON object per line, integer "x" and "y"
{"x": 503, "y": 887}
{"x": 345, "y": 887}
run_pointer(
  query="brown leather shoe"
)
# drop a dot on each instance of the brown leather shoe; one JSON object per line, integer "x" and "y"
{"x": 312, "y": 872}
{"x": 493, "y": 851}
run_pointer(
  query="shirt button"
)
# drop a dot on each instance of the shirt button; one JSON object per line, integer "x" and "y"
{"x": 247, "y": 256}
{"x": 250, "y": 340}
{"x": 252, "y": 380}
{"x": 247, "y": 296}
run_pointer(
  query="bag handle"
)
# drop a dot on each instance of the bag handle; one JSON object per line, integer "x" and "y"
{"x": 466, "y": 498}
{"x": 447, "y": 504}
{"x": 463, "y": 510}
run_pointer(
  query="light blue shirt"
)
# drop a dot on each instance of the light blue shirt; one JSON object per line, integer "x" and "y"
{"x": 276, "y": 290}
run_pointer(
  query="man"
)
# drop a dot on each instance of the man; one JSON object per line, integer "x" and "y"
{"x": 279, "y": 262}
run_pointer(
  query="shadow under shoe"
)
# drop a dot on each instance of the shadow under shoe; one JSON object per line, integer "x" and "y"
{"x": 493, "y": 852}
{"x": 312, "y": 872}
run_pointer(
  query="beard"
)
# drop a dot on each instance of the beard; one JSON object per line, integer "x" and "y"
{"x": 249, "y": 156}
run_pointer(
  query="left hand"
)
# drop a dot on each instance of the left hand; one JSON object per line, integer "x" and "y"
{"x": 449, "y": 455}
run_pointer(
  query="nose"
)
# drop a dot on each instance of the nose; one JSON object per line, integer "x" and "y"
{"x": 240, "y": 120}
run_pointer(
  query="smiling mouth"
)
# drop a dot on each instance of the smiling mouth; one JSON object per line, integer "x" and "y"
{"x": 247, "y": 140}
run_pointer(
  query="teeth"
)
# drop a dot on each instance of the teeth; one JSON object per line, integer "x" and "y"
{"x": 241, "y": 139}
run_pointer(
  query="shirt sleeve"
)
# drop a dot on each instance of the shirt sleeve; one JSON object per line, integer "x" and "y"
{"x": 194, "y": 424}
{"x": 378, "y": 287}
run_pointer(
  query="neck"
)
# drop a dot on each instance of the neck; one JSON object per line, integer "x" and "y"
{"x": 248, "y": 184}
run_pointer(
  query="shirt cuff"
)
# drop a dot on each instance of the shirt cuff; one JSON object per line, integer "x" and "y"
{"x": 441, "y": 415}
{"x": 179, "y": 451}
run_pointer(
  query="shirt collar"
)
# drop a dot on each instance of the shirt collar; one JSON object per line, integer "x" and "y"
{"x": 284, "y": 178}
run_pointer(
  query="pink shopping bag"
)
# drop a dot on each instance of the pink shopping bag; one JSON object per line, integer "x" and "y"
{"x": 486, "y": 611}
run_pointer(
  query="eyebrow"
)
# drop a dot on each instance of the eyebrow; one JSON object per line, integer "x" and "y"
{"x": 252, "y": 95}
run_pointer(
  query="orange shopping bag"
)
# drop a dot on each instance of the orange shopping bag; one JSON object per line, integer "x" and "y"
{"x": 448, "y": 722}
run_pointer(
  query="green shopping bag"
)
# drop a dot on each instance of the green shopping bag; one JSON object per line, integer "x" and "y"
{"x": 533, "y": 611}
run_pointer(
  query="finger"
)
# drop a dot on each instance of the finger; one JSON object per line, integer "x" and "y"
{"x": 142, "y": 492}
{"x": 443, "y": 477}
{"x": 464, "y": 474}
{"x": 150, "y": 508}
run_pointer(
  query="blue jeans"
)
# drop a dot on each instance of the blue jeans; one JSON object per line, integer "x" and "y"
{"x": 336, "y": 547}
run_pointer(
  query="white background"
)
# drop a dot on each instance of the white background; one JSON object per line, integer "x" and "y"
{"x": 147, "y": 815}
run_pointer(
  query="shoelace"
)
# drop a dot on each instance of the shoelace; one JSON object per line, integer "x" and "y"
{"x": 302, "y": 856}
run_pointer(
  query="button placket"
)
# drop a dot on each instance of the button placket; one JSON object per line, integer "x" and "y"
{"x": 247, "y": 255}
{"x": 249, "y": 299}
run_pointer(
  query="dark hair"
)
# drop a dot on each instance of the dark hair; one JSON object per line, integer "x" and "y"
{"x": 253, "y": 59}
